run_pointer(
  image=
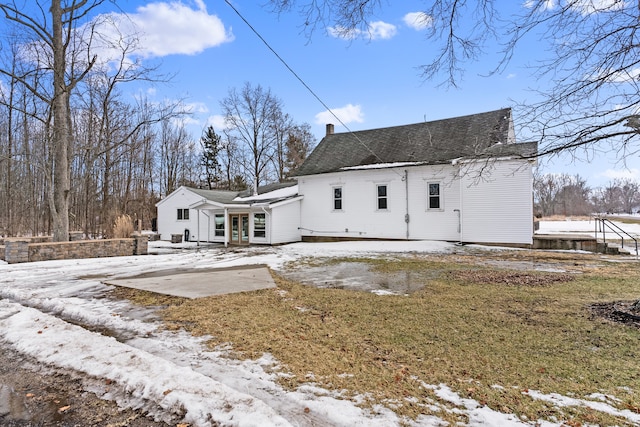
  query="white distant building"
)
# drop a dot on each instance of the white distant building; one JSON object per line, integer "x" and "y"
{"x": 461, "y": 179}
{"x": 232, "y": 217}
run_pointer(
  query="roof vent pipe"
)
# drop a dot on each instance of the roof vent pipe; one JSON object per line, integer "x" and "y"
{"x": 329, "y": 129}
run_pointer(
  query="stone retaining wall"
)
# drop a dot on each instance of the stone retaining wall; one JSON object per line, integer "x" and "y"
{"x": 24, "y": 250}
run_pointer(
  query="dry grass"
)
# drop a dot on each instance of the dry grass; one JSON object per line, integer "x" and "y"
{"x": 467, "y": 328}
{"x": 123, "y": 227}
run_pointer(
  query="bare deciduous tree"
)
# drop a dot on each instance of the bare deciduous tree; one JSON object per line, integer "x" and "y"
{"x": 251, "y": 117}
{"x": 588, "y": 57}
{"x": 60, "y": 47}
{"x": 561, "y": 194}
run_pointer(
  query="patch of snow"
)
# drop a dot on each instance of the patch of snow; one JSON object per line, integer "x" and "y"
{"x": 559, "y": 400}
{"x": 275, "y": 194}
{"x": 382, "y": 166}
{"x": 174, "y": 375}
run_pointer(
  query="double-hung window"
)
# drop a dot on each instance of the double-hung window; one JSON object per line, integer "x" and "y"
{"x": 382, "y": 196}
{"x": 434, "y": 196}
{"x": 183, "y": 214}
{"x": 219, "y": 224}
{"x": 337, "y": 198}
{"x": 259, "y": 225}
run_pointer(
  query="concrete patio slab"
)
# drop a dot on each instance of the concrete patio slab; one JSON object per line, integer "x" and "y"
{"x": 200, "y": 283}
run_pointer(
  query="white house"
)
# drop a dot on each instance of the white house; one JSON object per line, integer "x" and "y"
{"x": 461, "y": 179}
{"x": 232, "y": 217}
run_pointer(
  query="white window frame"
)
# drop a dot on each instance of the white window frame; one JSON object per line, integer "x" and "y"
{"x": 262, "y": 230}
{"x": 181, "y": 214}
{"x": 379, "y": 198}
{"x": 429, "y": 196}
{"x": 219, "y": 232}
{"x": 335, "y": 199}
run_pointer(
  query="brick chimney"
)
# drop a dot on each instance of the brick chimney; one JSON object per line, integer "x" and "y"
{"x": 329, "y": 129}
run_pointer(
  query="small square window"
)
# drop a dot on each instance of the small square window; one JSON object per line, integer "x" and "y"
{"x": 382, "y": 197}
{"x": 434, "y": 195}
{"x": 183, "y": 214}
{"x": 337, "y": 198}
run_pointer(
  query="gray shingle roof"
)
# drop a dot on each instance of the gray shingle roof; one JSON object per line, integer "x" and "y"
{"x": 435, "y": 142}
{"x": 229, "y": 197}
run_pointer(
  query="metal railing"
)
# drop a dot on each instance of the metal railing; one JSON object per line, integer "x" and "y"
{"x": 601, "y": 227}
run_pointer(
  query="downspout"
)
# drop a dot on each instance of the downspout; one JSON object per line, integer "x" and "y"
{"x": 460, "y": 190}
{"x": 198, "y": 241}
{"x": 226, "y": 227}
{"x": 406, "y": 197}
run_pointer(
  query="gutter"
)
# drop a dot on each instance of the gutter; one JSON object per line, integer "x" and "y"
{"x": 406, "y": 197}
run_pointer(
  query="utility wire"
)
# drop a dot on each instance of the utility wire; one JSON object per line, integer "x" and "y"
{"x": 301, "y": 80}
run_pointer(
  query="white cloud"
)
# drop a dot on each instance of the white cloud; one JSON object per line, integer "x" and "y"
{"x": 511, "y": 76}
{"x": 584, "y": 7}
{"x": 382, "y": 30}
{"x": 612, "y": 174}
{"x": 376, "y": 31}
{"x": 418, "y": 20}
{"x": 587, "y": 7}
{"x": 348, "y": 114}
{"x": 218, "y": 122}
{"x": 546, "y": 5}
{"x": 625, "y": 76}
{"x": 166, "y": 28}
{"x": 197, "y": 107}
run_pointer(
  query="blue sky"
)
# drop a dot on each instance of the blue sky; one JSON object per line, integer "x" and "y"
{"x": 369, "y": 82}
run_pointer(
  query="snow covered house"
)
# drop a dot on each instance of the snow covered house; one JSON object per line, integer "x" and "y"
{"x": 463, "y": 179}
{"x": 232, "y": 217}
{"x": 460, "y": 179}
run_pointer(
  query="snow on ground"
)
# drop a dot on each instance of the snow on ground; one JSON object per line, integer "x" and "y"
{"x": 55, "y": 312}
{"x": 570, "y": 226}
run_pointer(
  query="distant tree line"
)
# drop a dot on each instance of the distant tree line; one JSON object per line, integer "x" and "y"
{"x": 564, "y": 194}
{"x": 124, "y": 157}
{"x": 76, "y": 152}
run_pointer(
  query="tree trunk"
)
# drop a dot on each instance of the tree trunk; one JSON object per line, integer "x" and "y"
{"x": 61, "y": 132}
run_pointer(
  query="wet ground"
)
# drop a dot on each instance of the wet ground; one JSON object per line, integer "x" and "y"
{"x": 32, "y": 395}
{"x": 358, "y": 276}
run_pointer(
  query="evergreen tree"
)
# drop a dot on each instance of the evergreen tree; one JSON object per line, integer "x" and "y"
{"x": 211, "y": 146}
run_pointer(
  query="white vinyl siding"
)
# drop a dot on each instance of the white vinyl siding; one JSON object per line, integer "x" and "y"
{"x": 285, "y": 222}
{"x": 496, "y": 209}
{"x": 168, "y": 222}
{"x": 499, "y": 208}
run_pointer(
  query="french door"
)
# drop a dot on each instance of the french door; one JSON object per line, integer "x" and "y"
{"x": 239, "y": 229}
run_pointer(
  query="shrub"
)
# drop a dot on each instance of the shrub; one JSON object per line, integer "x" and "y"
{"x": 123, "y": 227}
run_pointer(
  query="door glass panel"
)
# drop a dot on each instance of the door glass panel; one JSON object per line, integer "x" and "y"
{"x": 234, "y": 229}
{"x": 245, "y": 228}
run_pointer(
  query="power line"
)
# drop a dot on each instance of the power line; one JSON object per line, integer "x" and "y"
{"x": 301, "y": 80}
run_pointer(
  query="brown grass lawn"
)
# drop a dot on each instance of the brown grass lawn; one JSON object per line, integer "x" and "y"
{"x": 487, "y": 331}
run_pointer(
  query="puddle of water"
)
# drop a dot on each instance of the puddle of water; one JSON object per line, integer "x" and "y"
{"x": 358, "y": 276}
{"x": 12, "y": 405}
